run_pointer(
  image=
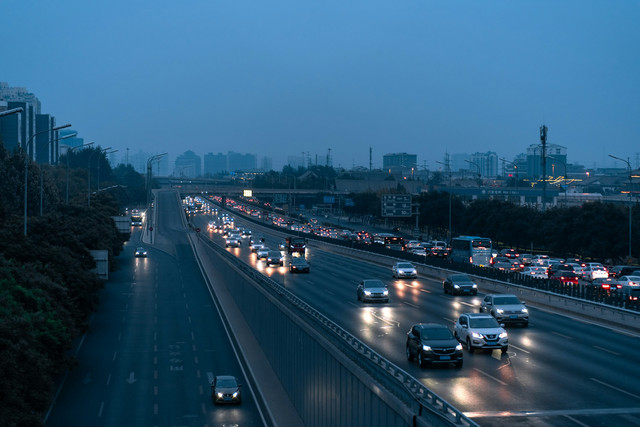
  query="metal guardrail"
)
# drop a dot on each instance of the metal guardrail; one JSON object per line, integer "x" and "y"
{"x": 397, "y": 381}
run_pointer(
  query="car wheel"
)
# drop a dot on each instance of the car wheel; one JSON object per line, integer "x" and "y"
{"x": 444, "y": 289}
{"x": 480, "y": 309}
{"x": 505, "y": 349}
{"x": 359, "y": 297}
{"x": 421, "y": 362}
{"x": 409, "y": 355}
{"x": 469, "y": 346}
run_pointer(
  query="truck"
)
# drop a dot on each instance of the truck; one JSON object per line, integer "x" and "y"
{"x": 296, "y": 244}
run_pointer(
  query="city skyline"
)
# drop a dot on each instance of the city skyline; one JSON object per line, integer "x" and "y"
{"x": 277, "y": 80}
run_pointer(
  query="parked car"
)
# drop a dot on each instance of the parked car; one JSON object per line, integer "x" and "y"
{"x": 481, "y": 331}
{"x": 459, "y": 284}
{"x": 506, "y": 308}
{"x": 535, "y": 272}
{"x": 404, "y": 270}
{"x": 298, "y": 264}
{"x": 141, "y": 252}
{"x": 433, "y": 343}
{"x": 372, "y": 290}
{"x": 226, "y": 389}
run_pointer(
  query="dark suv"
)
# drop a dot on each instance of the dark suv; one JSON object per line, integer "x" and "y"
{"x": 433, "y": 343}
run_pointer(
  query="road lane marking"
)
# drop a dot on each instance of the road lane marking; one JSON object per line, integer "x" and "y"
{"x": 114, "y": 355}
{"x": 468, "y": 304}
{"x": 607, "y": 350}
{"x": 562, "y": 335}
{"x": 576, "y": 421}
{"x": 101, "y": 408}
{"x": 490, "y": 376}
{"x": 519, "y": 349}
{"x": 615, "y": 388}
{"x": 108, "y": 379}
{"x": 410, "y": 305}
{"x": 426, "y": 291}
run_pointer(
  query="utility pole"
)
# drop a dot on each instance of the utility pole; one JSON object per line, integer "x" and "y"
{"x": 370, "y": 157}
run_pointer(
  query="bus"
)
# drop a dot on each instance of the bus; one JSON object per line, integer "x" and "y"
{"x": 471, "y": 249}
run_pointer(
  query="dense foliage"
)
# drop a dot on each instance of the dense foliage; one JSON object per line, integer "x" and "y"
{"x": 47, "y": 288}
{"x": 594, "y": 231}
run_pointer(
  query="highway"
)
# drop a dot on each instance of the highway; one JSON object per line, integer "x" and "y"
{"x": 154, "y": 344}
{"x": 558, "y": 371}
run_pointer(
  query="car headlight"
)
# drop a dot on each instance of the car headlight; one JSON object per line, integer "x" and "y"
{"x": 503, "y": 334}
{"x": 476, "y": 335}
{"x": 367, "y": 292}
{"x": 459, "y": 347}
{"x": 456, "y": 286}
{"x": 219, "y": 395}
{"x": 524, "y": 310}
{"x": 426, "y": 348}
{"x": 236, "y": 394}
{"x": 474, "y": 286}
{"x": 499, "y": 310}
{"x": 386, "y": 292}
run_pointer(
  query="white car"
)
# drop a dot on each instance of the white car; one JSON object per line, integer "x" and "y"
{"x": 631, "y": 281}
{"x": 263, "y": 252}
{"x": 535, "y": 272}
{"x": 404, "y": 270}
{"x": 594, "y": 270}
{"x": 480, "y": 331}
{"x": 256, "y": 246}
{"x": 505, "y": 308}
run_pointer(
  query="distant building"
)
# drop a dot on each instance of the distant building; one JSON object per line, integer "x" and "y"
{"x": 46, "y": 140}
{"x": 399, "y": 162}
{"x": 241, "y": 162}
{"x": 486, "y": 164}
{"x": 555, "y": 166}
{"x": 215, "y": 164}
{"x": 266, "y": 164}
{"x": 188, "y": 165}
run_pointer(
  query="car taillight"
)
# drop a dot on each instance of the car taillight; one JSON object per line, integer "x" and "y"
{"x": 605, "y": 286}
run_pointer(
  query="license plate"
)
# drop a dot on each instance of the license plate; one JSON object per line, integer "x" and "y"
{"x": 227, "y": 398}
{"x": 513, "y": 316}
{"x": 445, "y": 357}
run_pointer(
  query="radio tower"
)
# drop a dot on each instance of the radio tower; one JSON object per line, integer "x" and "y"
{"x": 543, "y": 139}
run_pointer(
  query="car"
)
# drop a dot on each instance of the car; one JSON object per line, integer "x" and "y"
{"x": 404, "y": 269}
{"x": 232, "y": 242}
{"x": 274, "y": 258}
{"x": 141, "y": 252}
{"x": 503, "y": 266}
{"x": 538, "y": 259}
{"x": 211, "y": 225}
{"x": 480, "y": 331}
{"x": 433, "y": 343}
{"x": 246, "y": 233}
{"x": 440, "y": 249}
{"x": 526, "y": 259}
{"x": 505, "y": 308}
{"x": 516, "y": 264}
{"x": 226, "y": 389}
{"x": 565, "y": 277}
{"x": 459, "y": 284}
{"x": 510, "y": 253}
{"x": 633, "y": 281}
{"x": 630, "y": 293}
{"x": 298, "y": 264}
{"x": 555, "y": 267}
{"x": 263, "y": 252}
{"x": 535, "y": 272}
{"x": 608, "y": 286}
{"x": 256, "y": 245}
{"x": 623, "y": 270}
{"x": 411, "y": 244}
{"x": 592, "y": 271}
{"x": 499, "y": 258}
{"x": 372, "y": 290}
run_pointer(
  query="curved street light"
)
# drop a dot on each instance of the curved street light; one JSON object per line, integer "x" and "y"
{"x": 630, "y": 201}
{"x": 106, "y": 152}
{"x": 12, "y": 111}
{"x": 26, "y": 167}
{"x": 89, "y": 174}
{"x": 150, "y": 161}
{"x": 71, "y": 135}
{"x": 66, "y": 198}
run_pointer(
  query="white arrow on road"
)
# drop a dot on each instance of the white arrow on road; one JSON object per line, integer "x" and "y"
{"x": 131, "y": 378}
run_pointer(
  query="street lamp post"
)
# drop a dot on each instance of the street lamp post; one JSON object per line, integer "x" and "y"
{"x": 12, "y": 111}
{"x": 98, "y": 173}
{"x": 476, "y": 165}
{"x": 71, "y": 135}
{"x": 448, "y": 168}
{"x": 26, "y": 167}
{"x": 150, "y": 161}
{"x": 89, "y": 174}
{"x": 630, "y": 201}
{"x": 66, "y": 198}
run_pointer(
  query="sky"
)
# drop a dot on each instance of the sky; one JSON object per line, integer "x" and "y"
{"x": 288, "y": 77}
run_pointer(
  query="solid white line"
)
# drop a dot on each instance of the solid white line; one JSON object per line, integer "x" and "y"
{"x": 468, "y": 304}
{"x": 607, "y": 350}
{"x": 101, "y": 408}
{"x": 519, "y": 349}
{"x": 410, "y": 305}
{"x": 108, "y": 379}
{"x": 576, "y": 421}
{"x": 426, "y": 291}
{"x": 615, "y": 388}
{"x": 490, "y": 376}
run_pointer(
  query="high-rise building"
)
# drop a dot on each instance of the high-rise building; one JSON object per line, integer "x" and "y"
{"x": 555, "y": 164}
{"x": 188, "y": 165}
{"x": 399, "y": 162}
{"x": 486, "y": 164}
{"x": 266, "y": 164}
{"x": 241, "y": 162}
{"x": 215, "y": 164}
{"x": 46, "y": 140}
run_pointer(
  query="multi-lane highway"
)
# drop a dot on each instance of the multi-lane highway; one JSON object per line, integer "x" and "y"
{"x": 154, "y": 344}
{"x": 558, "y": 371}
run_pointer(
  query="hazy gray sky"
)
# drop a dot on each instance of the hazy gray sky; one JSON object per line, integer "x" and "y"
{"x": 286, "y": 77}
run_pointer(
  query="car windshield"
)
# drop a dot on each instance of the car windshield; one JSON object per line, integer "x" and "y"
{"x": 226, "y": 383}
{"x": 436, "y": 334}
{"x": 405, "y": 265}
{"x": 460, "y": 278}
{"x": 274, "y": 254}
{"x": 483, "y": 322}
{"x": 506, "y": 301}
{"x": 373, "y": 284}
